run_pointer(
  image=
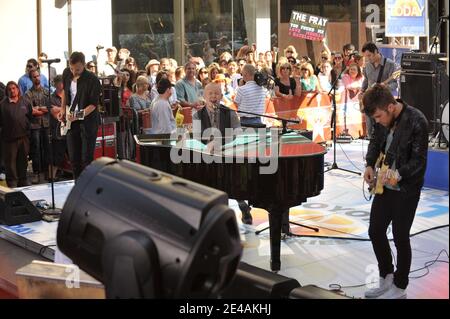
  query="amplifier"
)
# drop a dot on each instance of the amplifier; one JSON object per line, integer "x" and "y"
{"x": 422, "y": 62}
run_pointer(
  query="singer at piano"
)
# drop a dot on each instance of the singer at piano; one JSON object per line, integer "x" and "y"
{"x": 400, "y": 132}
{"x": 219, "y": 116}
{"x": 214, "y": 114}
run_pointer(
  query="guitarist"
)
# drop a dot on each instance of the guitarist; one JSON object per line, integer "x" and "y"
{"x": 82, "y": 94}
{"x": 379, "y": 69}
{"x": 400, "y": 132}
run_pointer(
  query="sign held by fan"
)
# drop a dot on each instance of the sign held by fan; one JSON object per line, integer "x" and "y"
{"x": 307, "y": 26}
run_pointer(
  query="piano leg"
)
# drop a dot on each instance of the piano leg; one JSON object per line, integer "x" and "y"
{"x": 275, "y": 237}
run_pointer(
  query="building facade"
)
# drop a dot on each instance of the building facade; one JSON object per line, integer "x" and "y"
{"x": 178, "y": 28}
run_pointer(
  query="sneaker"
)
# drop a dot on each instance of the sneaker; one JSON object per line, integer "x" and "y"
{"x": 394, "y": 293}
{"x": 384, "y": 284}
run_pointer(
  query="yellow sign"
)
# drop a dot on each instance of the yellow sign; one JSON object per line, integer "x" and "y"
{"x": 407, "y": 8}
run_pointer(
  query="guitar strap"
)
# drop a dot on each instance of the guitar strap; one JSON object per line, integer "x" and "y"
{"x": 400, "y": 126}
{"x": 76, "y": 99}
{"x": 380, "y": 75}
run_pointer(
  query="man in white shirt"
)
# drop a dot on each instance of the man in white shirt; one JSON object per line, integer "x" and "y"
{"x": 163, "y": 121}
{"x": 250, "y": 98}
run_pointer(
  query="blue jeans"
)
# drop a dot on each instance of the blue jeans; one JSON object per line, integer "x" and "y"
{"x": 39, "y": 149}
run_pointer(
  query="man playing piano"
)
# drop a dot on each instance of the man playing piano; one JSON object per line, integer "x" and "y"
{"x": 214, "y": 116}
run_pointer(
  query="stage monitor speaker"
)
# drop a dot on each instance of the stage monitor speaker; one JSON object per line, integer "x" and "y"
{"x": 251, "y": 282}
{"x": 16, "y": 208}
{"x": 426, "y": 92}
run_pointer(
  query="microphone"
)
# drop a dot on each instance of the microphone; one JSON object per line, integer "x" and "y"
{"x": 99, "y": 47}
{"x": 217, "y": 105}
{"x": 50, "y": 61}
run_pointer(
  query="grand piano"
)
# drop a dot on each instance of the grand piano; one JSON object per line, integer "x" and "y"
{"x": 239, "y": 167}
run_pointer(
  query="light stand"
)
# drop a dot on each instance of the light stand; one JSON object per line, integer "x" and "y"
{"x": 52, "y": 210}
{"x": 333, "y": 119}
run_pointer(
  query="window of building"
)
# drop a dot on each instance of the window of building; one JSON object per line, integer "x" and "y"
{"x": 144, "y": 27}
{"x": 336, "y": 11}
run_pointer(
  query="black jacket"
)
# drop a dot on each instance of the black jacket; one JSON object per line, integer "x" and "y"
{"x": 224, "y": 118}
{"x": 88, "y": 93}
{"x": 15, "y": 119}
{"x": 409, "y": 148}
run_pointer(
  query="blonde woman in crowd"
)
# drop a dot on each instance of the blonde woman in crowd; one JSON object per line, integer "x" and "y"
{"x": 213, "y": 70}
{"x": 309, "y": 80}
{"x": 140, "y": 100}
{"x": 287, "y": 86}
{"x": 179, "y": 73}
{"x": 290, "y": 51}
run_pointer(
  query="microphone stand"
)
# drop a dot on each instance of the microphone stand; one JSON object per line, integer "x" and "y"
{"x": 282, "y": 120}
{"x": 438, "y": 29}
{"x": 333, "y": 126}
{"x": 53, "y": 210}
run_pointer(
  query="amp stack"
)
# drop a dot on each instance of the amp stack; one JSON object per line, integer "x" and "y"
{"x": 424, "y": 85}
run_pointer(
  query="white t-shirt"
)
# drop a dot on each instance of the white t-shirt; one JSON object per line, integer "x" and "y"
{"x": 73, "y": 93}
{"x": 163, "y": 121}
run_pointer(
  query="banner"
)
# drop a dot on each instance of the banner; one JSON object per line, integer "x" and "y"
{"x": 406, "y": 18}
{"x": 307, "y": 26}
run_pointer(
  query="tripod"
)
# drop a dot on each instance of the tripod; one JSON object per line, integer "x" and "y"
{"x": 52, "y": 210}
{"x": 293, "y": 223}
{"x": 333, "y": 126}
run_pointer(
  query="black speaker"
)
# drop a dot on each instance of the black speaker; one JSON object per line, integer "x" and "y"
{"x": 16, "y": 208}
{"x": 426, "y": 92}
{"x": 251, "y": 282}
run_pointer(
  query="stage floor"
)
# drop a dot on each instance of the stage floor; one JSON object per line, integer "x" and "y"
{"x": 340, "y": 211}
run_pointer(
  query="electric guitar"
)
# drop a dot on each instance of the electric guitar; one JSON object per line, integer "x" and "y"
{"x": 380, "y": 170}
{"x": 384, "y": 175}
{"x": 394, "y": 76}
{"x": 65, "y": 125}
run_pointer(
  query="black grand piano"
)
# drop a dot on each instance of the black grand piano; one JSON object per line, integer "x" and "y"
{"x": 245, "y": 169}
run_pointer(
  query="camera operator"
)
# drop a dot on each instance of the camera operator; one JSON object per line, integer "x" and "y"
{"x": 250, "y": 97}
